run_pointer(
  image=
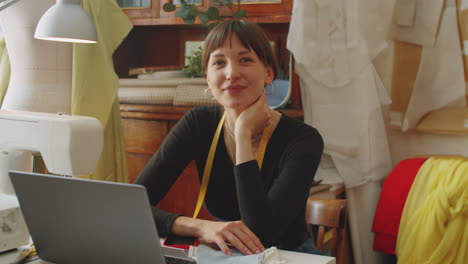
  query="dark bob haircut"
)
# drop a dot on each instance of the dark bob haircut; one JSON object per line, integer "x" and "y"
{"x": 250, "y": 35}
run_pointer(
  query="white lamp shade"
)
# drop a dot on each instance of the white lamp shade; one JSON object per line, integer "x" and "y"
{"x": 66, "y": 21}
{"x": 6, "y": 3}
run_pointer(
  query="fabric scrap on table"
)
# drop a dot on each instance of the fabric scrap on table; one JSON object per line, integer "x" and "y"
{"x": 209, "y": 255}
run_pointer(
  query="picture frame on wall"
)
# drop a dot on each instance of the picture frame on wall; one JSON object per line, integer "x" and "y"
{"x": 260, "y": 1}
{"x": 190, "y": 48}
{"x": 192, "y": 2}
{"x": 134, "y": 3}
{"x": 199, "y": 2}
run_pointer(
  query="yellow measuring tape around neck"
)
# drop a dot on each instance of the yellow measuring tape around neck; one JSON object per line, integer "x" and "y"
{"x": 209, "y": 161}
{"x": 262, "y": 146}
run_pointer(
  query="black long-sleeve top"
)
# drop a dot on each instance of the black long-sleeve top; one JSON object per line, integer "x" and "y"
{"x": 271, "y": 202}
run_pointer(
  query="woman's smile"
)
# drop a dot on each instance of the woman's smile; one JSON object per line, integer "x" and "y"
{"x": 234, "y": 89}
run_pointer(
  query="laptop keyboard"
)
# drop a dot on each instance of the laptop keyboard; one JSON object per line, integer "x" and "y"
{"x": 173, "y": 260}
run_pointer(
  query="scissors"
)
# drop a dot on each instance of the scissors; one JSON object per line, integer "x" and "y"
{"x": 27, "y": 254}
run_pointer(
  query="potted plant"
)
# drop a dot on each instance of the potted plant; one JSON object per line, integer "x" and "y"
{"x": 189, "y": 12}
{"x": 194, "y": 67}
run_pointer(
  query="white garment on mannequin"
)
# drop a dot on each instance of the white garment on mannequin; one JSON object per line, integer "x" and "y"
{"x": 341, "y": 37}
{"x": 342, "y": 96}
{"x": 463, "y": 4}
{"x": 424, "y": 28}
{"x": 362, "y": 200}
{"x": 350, "y": 121}
{"x": 440, "y": 81}
{"x": 373, "y": 17}
{"x": 40, "y": 70}
{"x": 334, "y": 52}
{"x": 405, "y": 12}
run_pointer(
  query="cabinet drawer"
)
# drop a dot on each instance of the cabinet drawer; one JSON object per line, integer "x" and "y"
{"x": 144, "y": 136}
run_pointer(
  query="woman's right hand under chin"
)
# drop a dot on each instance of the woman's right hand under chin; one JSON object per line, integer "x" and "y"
{"x": 254, "y": 118}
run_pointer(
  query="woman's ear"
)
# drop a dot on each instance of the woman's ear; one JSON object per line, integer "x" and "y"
{"x": 269, "y": 75}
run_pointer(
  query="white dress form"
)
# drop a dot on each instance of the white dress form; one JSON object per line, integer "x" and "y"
{"x": 41, "y": 73}
{"x": 40, "y": 81}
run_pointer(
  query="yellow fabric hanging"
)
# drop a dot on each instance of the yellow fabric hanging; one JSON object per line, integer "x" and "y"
{"x": 95, "y": 84}
{"x": 5, "y": 70}
{"x": 434, "y": 224}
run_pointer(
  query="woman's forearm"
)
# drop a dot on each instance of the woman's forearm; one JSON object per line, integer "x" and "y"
{"x": 244, "y": 151}
{"x": 187, "y": 226}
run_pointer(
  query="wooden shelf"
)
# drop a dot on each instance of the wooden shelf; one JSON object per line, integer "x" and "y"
{"x": 174, "y": 113}
{"x": 179, "y": 21}
{"x": 151, "y": 112}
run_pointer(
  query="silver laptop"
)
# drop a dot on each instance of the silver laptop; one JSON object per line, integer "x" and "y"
{"x": 74, "y": 220}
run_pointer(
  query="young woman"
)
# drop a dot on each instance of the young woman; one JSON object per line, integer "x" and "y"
{"x": 258, "y": 203}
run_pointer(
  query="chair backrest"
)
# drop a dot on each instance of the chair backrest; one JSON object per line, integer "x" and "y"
{"x": 327, "y": 221}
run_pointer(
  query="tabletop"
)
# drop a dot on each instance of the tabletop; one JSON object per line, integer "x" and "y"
{"x": 288, "y": 256}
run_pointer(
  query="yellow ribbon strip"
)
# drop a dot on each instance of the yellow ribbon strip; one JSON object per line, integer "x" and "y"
{"x": 262, "y": 146}
{"x": 208, "y": 166}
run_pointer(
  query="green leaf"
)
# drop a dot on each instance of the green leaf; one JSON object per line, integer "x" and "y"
{"x": 190, "y": 19}
{"x": 203, "y": 18}
{"x": 189, "y": 12}
{"x": 218, "y": 2}
{"x": 169, "y": 7}
{"x": 183, "y": 12}
{"x": 240, "y": 14}
{"x": 194, "y": 10}
{"x": 228, "y": 3}
{"x": 212, "y": 25}
{"x": 213, "y": 13}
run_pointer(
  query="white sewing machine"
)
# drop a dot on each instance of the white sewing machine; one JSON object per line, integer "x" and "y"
{"x": 69, "y": 145}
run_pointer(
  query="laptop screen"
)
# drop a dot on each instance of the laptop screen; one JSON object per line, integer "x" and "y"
{"x": 74, "y": 220}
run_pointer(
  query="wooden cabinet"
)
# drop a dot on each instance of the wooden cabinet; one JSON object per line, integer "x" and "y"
{"x": 158, "y": 39}
{"x": 147, "y": 9}
{"x": 144, "y": 129}
{"x": 274, "y": 11}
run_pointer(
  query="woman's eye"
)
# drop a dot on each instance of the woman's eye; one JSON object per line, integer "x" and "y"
{"x": 218, "y": 63}
{"x": 246, "y": 60}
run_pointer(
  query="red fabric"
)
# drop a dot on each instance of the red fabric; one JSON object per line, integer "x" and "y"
{"x": 391, "y": 203}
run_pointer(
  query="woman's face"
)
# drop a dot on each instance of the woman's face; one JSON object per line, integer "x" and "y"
{"x": 235, "y": 74}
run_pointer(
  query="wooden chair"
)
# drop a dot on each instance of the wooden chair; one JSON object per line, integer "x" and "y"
{"x": 327, "y": 223}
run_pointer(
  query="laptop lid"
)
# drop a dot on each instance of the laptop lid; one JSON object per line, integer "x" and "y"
{"x": 74, "y": 220}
